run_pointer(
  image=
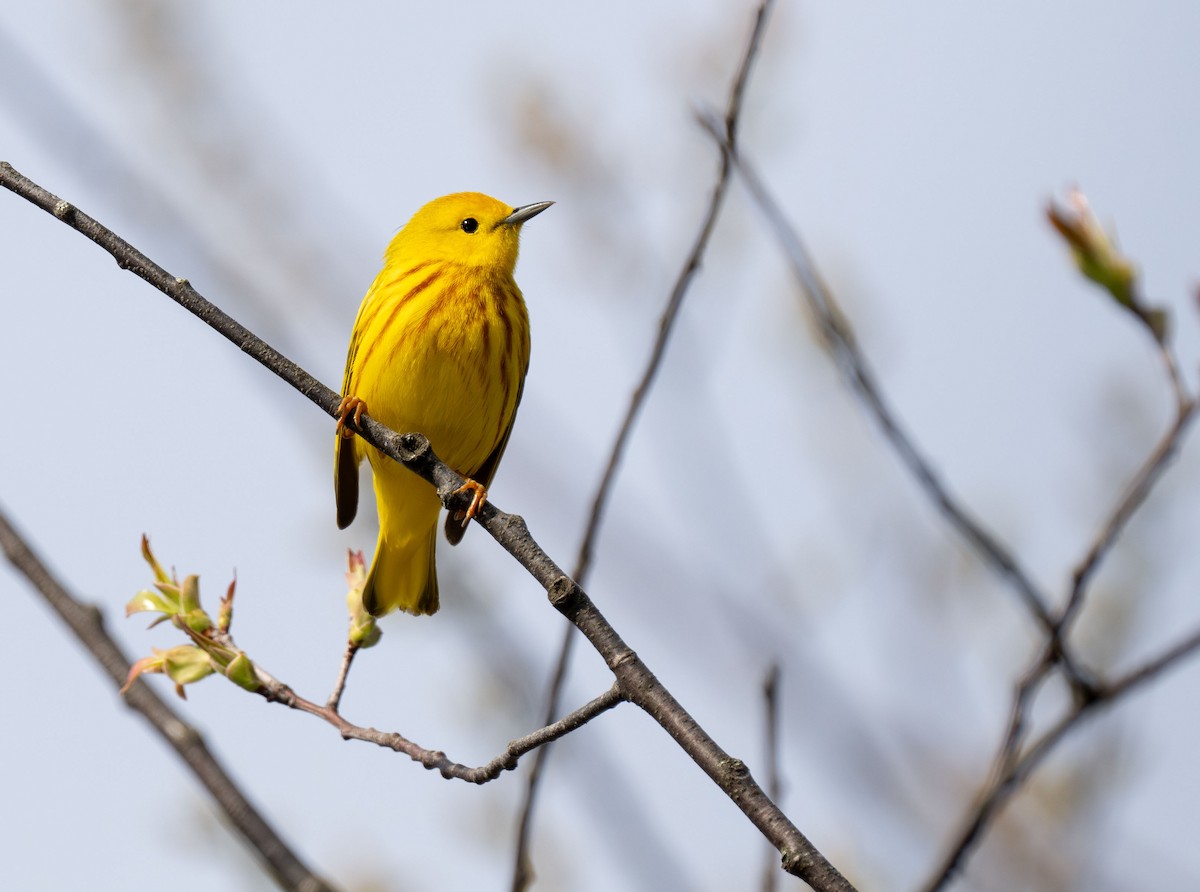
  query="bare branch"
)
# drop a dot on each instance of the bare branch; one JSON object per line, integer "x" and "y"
{"x": 636, "y": 682}
{"x": 522, "y": 874}
{"x": 1135, "y": 494}
{"x": 1018, "y": 770}
{"x": 854, "y": 364}
{"x": 837, "y": 330}
{"x": 277, "y": 692}
{"x": 281, "y": 862}
{"x": 339, "y": 684}
{"x": 1178, "y": 386}
{"x": 1153, "y": 667}
{"x": 1001, "y": 783}
{"x": 522, "y": 867}
{"x": 690, "y": 267}
{"x": 771, "y": 753}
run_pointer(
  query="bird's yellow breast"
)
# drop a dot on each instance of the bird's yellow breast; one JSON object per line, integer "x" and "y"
{"x": 442, "y": 349}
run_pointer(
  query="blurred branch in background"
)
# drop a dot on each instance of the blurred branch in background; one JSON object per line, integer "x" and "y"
{"x": 277, "y": 858}
{"x": 840, "y": 338}
{"x": 1017, "y": 758}
{"x": 63, "y": 129}
{"x": 770, "y": 693}
{"x": 1015, "y": 765}
{"x": 522, "y": 868}
{"x": 1099, "y": 260}
{"x": 233, "y": 155}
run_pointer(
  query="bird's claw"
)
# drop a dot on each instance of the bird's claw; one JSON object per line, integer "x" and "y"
{"x": 478, "y": 497}
{"x": 350, "y": 407}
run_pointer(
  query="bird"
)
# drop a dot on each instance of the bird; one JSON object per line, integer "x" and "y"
{"x": 441, "y": 347}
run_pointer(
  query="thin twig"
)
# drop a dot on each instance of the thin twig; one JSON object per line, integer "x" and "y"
{"x": 339, "y": 684}
{"x": 522, "y": 873}
{"x": 1004, "y": 766}
{"x": 277, "y": 692}
{"x": 1135, "y": 494}
{"x": 1178, "y": 386}
{"x": 854, "y": 363}
{"x": 284, "y": 865}
{"x": 1018, "y": 725}
{"x": 1153, "y": 667}
{"x": 675, "y": 300}
{"x": 770, "y": 874}
{"x": 862, "y": 378}
{"x": 637, "y": 683}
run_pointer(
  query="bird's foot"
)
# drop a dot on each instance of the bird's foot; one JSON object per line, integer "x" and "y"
{"x": 478, "y": 497}
{"x": 351, "y": 407}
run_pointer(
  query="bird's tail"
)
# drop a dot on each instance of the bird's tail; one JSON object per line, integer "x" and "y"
{"x": 403, "y": 575}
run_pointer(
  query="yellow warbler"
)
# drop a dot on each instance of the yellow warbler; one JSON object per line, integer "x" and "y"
{"x": 440, "y": 347}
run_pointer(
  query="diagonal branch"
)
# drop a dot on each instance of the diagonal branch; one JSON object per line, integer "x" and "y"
{"x": 179, "y": 290}
{"x": 1135, "y": 494}
{"x": 522, "y": 874}
{"x": 854, "y": 363}
{"x": 683, "y": 282}
{"x": 284, "y": 865}
{"x": 636, "y": 682}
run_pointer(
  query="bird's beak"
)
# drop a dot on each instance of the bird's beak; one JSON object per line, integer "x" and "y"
{"x": 523, "y": 213}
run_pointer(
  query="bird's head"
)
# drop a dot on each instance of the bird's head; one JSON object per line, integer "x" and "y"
{"x": 468, "y": 228}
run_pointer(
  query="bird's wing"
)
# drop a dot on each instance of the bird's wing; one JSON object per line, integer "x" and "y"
{"x": 346, "y": 455}
{"x": 483, "y": 474}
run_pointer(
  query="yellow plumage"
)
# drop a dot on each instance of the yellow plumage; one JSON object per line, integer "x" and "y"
{"x": 440, "y": 347}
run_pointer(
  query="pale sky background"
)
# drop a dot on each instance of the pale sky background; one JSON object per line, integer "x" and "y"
{"x": 268, "y": 151}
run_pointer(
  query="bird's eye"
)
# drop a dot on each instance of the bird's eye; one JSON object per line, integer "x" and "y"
{"x": 469, "y": 225}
